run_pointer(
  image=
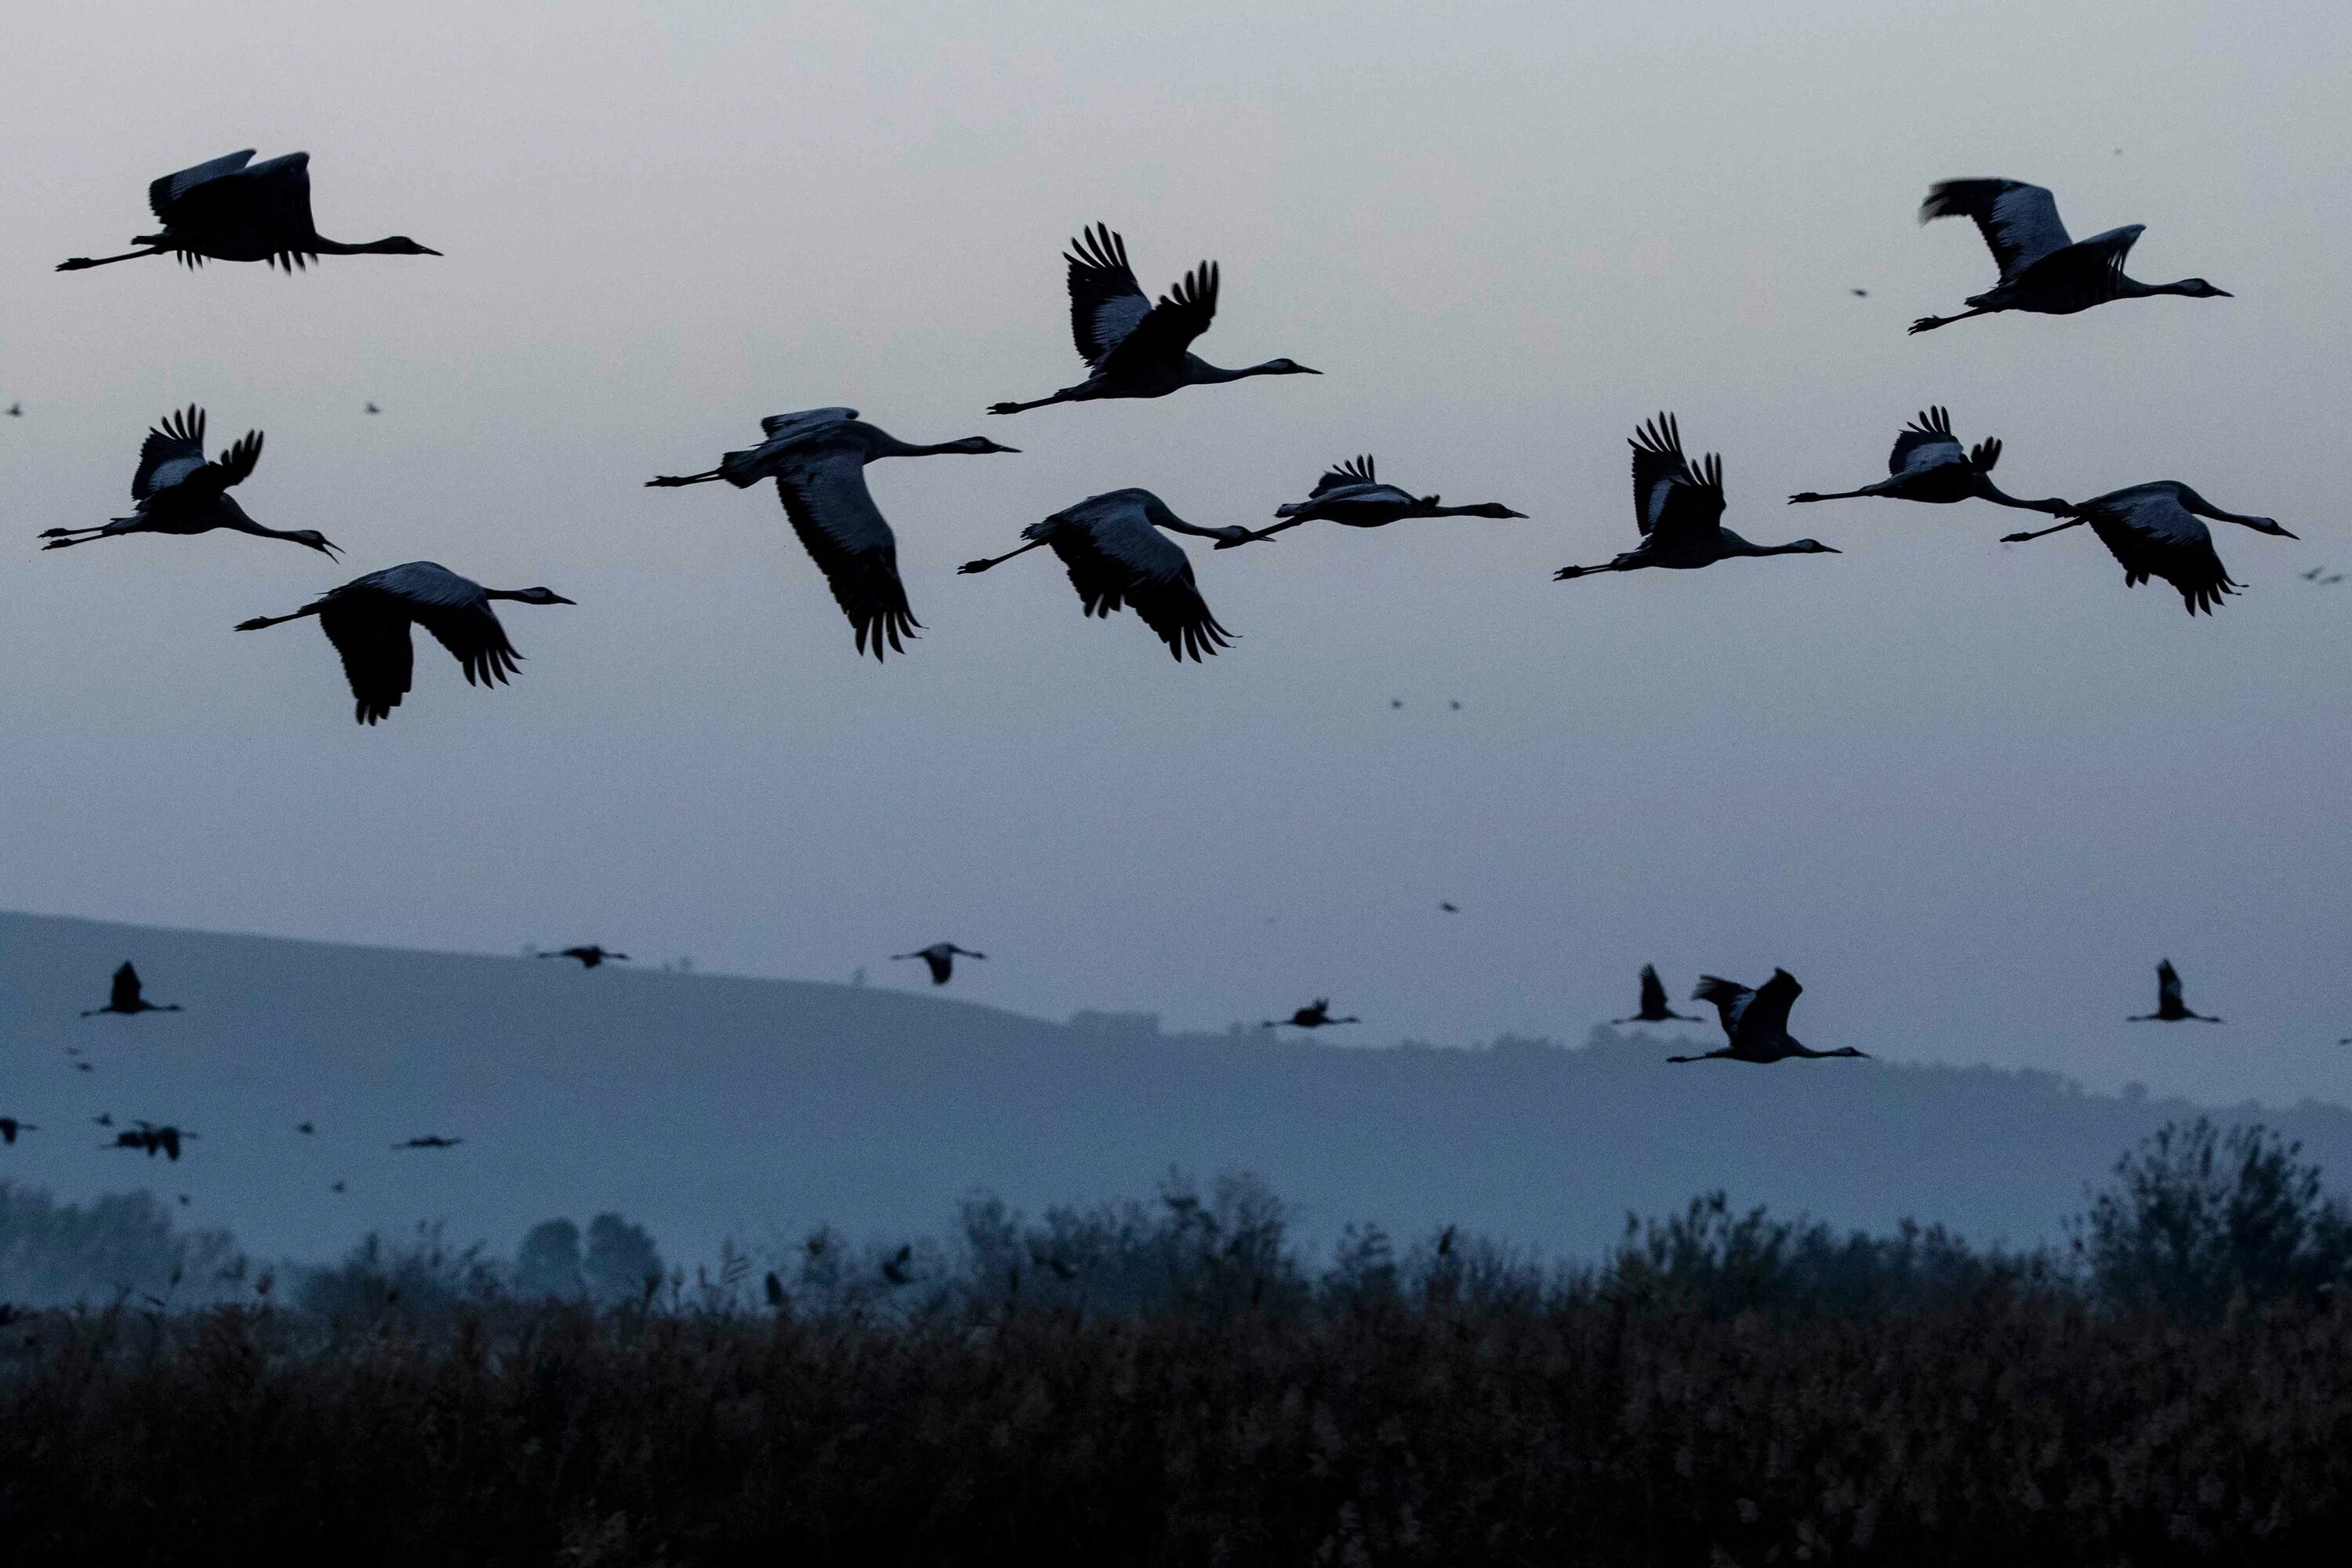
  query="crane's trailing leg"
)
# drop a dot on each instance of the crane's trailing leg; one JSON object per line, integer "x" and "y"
{"x": 1930, "y": 323}
{"x": 973, "y": 567}
{"x": 1833, "y": 495}
{"x": 80, "y": 262}
{"x": 663, "y": 482}
{"x": 2041, "y": 532}
{"x": 258, "y": 622}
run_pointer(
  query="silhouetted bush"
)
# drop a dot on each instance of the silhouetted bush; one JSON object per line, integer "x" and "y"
{"x": 123, "y": 1246}
{"x": 548, "y": 1261}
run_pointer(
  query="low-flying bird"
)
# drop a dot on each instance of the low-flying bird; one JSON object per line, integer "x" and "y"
{"x": 1757, "y": 1021}
{"x": 1316, "y": 1015}
{"x": 2153, "y": 530}
{"x": 1111, "y": 546}
{"x": 2043, "y": 269}
{"x": 176, "y": 490}
{"x": 1927, "y": 464}
{"x": 10, "y": 1127}
{"x": 429, "y": 1140}
{"x": 941, "y": 956}
{"x": 150, "y": 1139}
{"x": 1654, "y": 1009}
{"x": 895, "y": 1267}
{"x": 2169, "y": 1008}
{"x": 1679, "y": 509}
{"x": 1352, "y": 496}
{"x": 1132, "y": 347}
{"x": 234, "y": 209}
{"x": 368, "y": 619}
{"x": 590, "y": 956}
{"x": 817, "y": 458}
{"x": 124, "y": 997}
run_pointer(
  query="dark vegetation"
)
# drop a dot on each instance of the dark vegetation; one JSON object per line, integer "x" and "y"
{"x": 1168, "y": 1382}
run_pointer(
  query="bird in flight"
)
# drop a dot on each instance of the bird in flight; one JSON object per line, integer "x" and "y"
{"x": 233, "y": 209}
{"x": 1859, "y": 293}
{"x": 177, "y": 492}
{"x": 1449, "y": 906}
{"x": 1678, "y": 507}
{"x": 896, "y": 1269}
{"x": 2153, "y": 530}
{"x": 368, "y": 619}
{"x": 1352, "y": 496}
{"x": 1757, "y": 1021}
{"x": 1111, "y": 546}
{"x": 124, "y": 997}
{"x": 1132, "y": 347}
{"x": 371, "y": 408}
{"x": 1927, "y": 464}
{"x": 1315, "y": 1016}
{"x": 10, "y": 1127}
{"x": 336, "y": 1186}
{"x": 2043, "y": 269}
{"x": 15, "y": 411}
{"x": 817, "y": 458}
{"x": 590, "y": 956}
{"x": 1654, "y": 1009}
{"x": 941, "y": 956}
{"x": 429, "y": 1140}
{"x": 306, "y": 1129}
{"x": 151, "y": 1139}
{"x": 2169, "y": 1008}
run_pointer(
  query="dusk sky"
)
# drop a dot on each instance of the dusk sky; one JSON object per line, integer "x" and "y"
{"x": 1969, "y": 792}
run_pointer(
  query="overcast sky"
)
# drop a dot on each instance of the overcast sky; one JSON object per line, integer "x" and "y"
{"x": 1969, "y": 792}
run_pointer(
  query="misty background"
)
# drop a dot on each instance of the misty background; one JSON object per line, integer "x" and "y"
{"x": 1969, "y": 792}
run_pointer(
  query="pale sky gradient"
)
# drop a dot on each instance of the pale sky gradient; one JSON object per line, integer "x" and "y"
{"x": 1968, "y": 794}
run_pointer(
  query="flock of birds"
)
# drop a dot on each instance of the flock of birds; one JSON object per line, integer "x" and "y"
{"x": 1116, "y": 546}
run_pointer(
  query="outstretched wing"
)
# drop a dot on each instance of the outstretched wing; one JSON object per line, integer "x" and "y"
{"x": 1182, "y": 314}
{"x": 1122, "y": 559}
{"x": 2093, "y": 268}
{"x": 1926, "y": 442}
{"x": 2019, "y": 222}
{"x": 1654, "y": 990}
{"x": 370, "y": 630}
{"x": 846, "y": 535}
{"x": 1765, "y": 1016}
{"x": 1355, "y": 471}
{"x": 124, "y": 993}
{"x": 165, "y": 195}
{"x": 1731, "y": 1000}
{"x": 1669, "y": 494}
{"x": 172, "y": 451}
{"x": 276, "y": 202}
{"x": 2167, "y": 987}
{"x": 805, "y": 421}
{"x": 1106, "y": 302}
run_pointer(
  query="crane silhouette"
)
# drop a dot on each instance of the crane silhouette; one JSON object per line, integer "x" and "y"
{"x": 1352, "y": 496}
{"x": 1111, "y": 546}
{"x": 234, "y": 209}
{"x": 589, "y": 957}
{"x": 1132, "y": 347}
{"x": 896, "y": 1269}
{"x": 817, "y": 458}
{"x": 151, "y": 1139}
{"x": 1317, "y": 1015}
{"x": 1756, "y": 1020}
{"x": 2153, "y": 530}
{"x": 125, "y": 997}
{"x": 1679, "y": 509}
{"x": 2169, "y": 1008}
{"x": 10, "y": 1127}
{"x": 941, "y": 956}
{"x": 368, "y": 619}
{"x": 177, "y": 492}
{"x": 429, "y": 1140}
{"x": 1927, "y": 464}
{"x": 1654, "y": 1009}
{"x": 2043, "y": 269}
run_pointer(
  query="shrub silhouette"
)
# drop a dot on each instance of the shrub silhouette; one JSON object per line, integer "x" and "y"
{"x": 548, "y": 1261}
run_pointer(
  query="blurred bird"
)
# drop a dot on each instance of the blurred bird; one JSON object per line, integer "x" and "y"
{"x": 1927, "y": 464}
{"x": 2169, "y": 1008}
{"x": 10, "y": 1127}
{"x": 1453, "y": 705}
{"x": 2043, "y": 269}
{"x": 589, "y": 956}
{"x": 177, "y": 492}
{"x": 104, "y": 1119}
{"x": 430, "y": 1141}
{"x": 1354, "y": 497}
{"x": 1111, "y": 546}
{"x": 124, "y": 997}
{"x": 1756, "y": 1020}
{"x": 1859, "y": 293}
{"x": 336, "y": 1186}
{"x": 1396, "y": 703}
{"x": 15, "y": 411}
{"x": 1654, "y": 1009}
{"x": 1449, "y": 906}
{"x": 817, "y": 458}
{"x": 83, "y": 1067}
{"x": 1679, "y": 509}
{"x": 306, "y": 1129}
{"x": 368, "y": 619}
{"x": 775, "y": 1289}
{"x": 151, "y": 1139}
{"x": 895, "y": 1267}
{"x": 2153, "y": 530}
{"x": 233, "y": 209}
{"x": 1316, "y": 1015}
{"x": 1132, "y": 347}
{"x": 371, "y": 408}
{"x": 941, "y": 956}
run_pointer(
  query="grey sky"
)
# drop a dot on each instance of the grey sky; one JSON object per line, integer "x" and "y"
{"x": 1969, "y": 793}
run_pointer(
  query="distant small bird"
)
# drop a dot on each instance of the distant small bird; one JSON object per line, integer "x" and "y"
{"x": 1111, "y": 546}
{"x": 1927, "y": 464}
{"x": 2043, "y": 269}
{"x": 1654, "y": 1009}
{"x": 430, "y": 1141}
{"x": 306, "y": 1129}
{"x": 368, "y": 619}
{"x": 104, "y": 1119}
{"x": 2153, "y": 530}
{"x": 895, "y": 1267}
{"x": 83, "y": 1067}
{"x": 1453, "y": 705}
{"x": 1859, "y": 293}
{"x": 1352, "y": 496}
{"x": 2313, "y": 576}
{"x": 125, "y": 997}
{"x": 2169, "y": 1008}
{"x": 1449, "y": 906}
{"x": 1132, "y": 347}
{"x": 371, "y": 408}
{"x": 1396, "y": 703}
{"x": 335, "y": 1187}
{"x": 1679, "y": 509}
{"x": 1757, "y": 1021}
{"x": 185, "y": 1200}
{"x": 2331, "y": 578}
{"x": 10, "y": 1127}
{"x": 1316, "y": 1015}
{"x": 941, "y": 956}
{"x": 177, "y": 492}
{"x": 589, "y": 956}
{"x": 233, "y": 209}
{"x": 15, "y": 411}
